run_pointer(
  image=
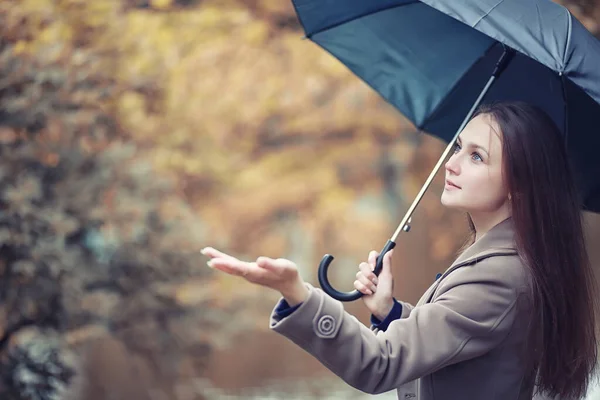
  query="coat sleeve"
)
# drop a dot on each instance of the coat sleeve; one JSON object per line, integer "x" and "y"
{"x": 468, "y": 317}
{"x": 406, "y": 309}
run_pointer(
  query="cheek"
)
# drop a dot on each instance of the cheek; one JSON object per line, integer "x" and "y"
{"x": 487, "y": 189}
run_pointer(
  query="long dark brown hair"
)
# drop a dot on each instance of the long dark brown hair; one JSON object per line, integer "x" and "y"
{"x": 549, "y": 235}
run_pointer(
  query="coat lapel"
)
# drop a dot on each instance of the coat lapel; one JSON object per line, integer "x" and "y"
{"x": 501, "y": 238}
{"x": 497, "y": 241}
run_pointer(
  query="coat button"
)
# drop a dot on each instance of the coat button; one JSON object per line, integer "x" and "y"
{"x": 326, "y": 325}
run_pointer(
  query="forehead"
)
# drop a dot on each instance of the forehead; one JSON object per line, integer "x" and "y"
{"x": 484, "y": 131}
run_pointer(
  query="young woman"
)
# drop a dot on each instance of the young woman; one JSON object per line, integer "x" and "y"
{"x": 511, "y": 318}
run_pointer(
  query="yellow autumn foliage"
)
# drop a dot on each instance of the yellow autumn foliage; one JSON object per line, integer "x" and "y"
{"x": 254, "y": 121}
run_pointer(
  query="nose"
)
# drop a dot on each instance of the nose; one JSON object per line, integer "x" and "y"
{"x": 452, "y": 165}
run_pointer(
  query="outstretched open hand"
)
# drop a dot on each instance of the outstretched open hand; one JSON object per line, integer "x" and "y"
{"x": 279, "y": 274}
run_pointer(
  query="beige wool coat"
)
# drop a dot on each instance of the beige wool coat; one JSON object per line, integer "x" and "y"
{"x": 463, "y": 340}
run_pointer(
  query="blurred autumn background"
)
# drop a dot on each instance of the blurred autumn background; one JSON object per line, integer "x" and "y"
{"x": 134, "y": 133}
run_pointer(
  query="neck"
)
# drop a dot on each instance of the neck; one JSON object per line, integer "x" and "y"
{"x": 483, "y": 222}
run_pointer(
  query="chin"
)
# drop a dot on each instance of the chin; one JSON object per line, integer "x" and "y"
{"x": 453, "y": 205}
{"x": 446, "y": 201}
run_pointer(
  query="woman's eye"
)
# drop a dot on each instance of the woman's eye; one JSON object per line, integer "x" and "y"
{"x": 456, "y": 148}
{"x": 479, "y": 158}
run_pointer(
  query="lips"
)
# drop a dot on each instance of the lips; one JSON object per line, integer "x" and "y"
{"x": 450, "y": 183}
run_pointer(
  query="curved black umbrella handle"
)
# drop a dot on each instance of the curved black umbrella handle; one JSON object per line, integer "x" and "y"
{"x": 355, "y": 294}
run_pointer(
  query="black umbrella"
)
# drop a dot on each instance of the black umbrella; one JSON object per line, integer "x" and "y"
{"x": 436, "y": 61}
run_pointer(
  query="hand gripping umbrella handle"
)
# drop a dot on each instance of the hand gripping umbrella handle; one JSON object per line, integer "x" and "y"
{"x": 355, "y": 294}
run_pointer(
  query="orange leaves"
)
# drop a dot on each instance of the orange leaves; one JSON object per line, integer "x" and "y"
{"x": 161, "y": 4}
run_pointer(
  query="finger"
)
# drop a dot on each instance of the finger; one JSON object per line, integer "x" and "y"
{"x": 214, "y": 253}
{"x": 219, "y": 265}
{"x": 274, "y": 265}
{"x": 269, "y": 263}
{"x": 365, "y": 269}
{"x": 232, "y": 267}
{"x": 387, "y": 261}
{"x": 373, "y": 258}
{"x": 362, "y": 288}
{"x": 367, "y": 282}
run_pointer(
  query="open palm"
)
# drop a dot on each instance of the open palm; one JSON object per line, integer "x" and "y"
{"x": 278, "y": 274}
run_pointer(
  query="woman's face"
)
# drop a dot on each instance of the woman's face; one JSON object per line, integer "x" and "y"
{"x": 474, "y": 181}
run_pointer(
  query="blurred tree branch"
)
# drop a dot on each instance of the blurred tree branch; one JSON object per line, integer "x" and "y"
{"x": 93, "y": 242}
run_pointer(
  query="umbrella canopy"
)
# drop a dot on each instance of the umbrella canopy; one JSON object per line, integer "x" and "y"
{"x": 431, "y": 59}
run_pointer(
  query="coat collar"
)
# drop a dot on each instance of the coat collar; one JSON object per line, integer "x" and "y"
{"x": 497, "y": 241}
{"x": 500, "y": 239}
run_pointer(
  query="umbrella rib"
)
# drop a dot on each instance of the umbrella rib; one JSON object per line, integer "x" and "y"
{"x": 568, "y": 42}
{"x": 486, "y": 14}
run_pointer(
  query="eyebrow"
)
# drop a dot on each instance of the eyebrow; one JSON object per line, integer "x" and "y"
{"x": 474, "y": 145}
